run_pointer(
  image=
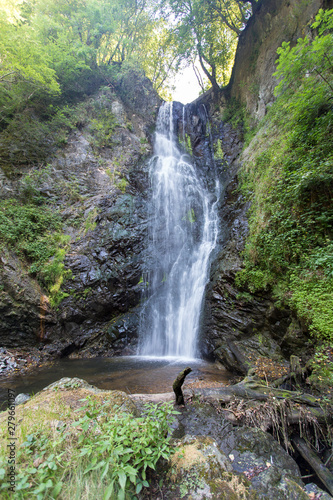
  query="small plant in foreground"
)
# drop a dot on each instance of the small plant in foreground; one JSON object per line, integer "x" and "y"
{"x": 114, "y": 450}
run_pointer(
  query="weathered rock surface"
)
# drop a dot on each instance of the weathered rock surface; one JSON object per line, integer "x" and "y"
{"x": 274, "y": 22}
{"x": 22, "y": 307}
{"x": 100, "y": 190}
{"x": 198, "y": 469}
{"x": 271, "y": 471}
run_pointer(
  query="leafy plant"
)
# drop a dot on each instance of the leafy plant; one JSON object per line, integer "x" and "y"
{"x": 322, "y": 366}
{"x": 190, "y": 216}
{"x": 119, "y": 448}
{"x": 218, "y": 151}
{"x": 90, "y": 222}
{"x": 102, "y": 128}
{"x": 122, "y": 184}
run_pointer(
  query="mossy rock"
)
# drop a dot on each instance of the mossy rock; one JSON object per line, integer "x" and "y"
{"x": 271, "y": 471}
{"x": 78, "y": 389}
{"x": 200, "y": 471}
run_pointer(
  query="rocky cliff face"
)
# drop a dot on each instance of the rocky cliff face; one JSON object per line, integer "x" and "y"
{"x": 275, "y": 21}
{"x": 241, "y": 328}
{"x": 100, "y": 190}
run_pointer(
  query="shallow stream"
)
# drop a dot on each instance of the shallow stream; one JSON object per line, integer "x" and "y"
{"x": 132, "y": 374}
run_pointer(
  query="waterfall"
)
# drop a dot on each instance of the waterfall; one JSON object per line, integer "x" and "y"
{"x": 182, "y": 234}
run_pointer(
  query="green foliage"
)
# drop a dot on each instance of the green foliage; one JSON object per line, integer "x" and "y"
{"x": 290, "y": 181}
{"x": 90, "y": 222}
{"x": 34, "y": 231}
{"x": 27, "y": 225}
{"x": 207, "y": 31}
{"x": 55, "y": 53}
{"x": 102, "y": 128}
{"x": 322, "y": 366}
{"x": 25, "y": 67}
{"x": 115, "y": 450}
{"x": 188, "y": 144}
{"x": 122, "y": 184}
{"x": 235, "y": 113}
{"x": 29, "y": 140}
{"x": 190, "y": 216}
{"x": 218, "y": 151}
{"x": 312, "y": 297}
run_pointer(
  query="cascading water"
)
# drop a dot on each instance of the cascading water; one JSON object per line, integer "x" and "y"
{"x": 183, "y": 231}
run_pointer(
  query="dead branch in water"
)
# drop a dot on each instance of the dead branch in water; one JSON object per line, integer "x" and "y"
{"x": 177, "y": 385}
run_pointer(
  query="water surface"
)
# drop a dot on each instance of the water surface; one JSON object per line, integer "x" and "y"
{"x": 132, "y": 374}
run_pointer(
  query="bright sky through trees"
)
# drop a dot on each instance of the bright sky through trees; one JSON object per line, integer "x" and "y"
{"x": 186, "y": 85}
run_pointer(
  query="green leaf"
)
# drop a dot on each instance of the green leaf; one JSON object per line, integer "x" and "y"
{"x": 57, "y": 489}
{"x": 105, "y": 471}
{"x": 108, "y": 491}
{"x": 121, "y": 495}
{"x": 122, "y": 479}
{"x": 49, "y": 483}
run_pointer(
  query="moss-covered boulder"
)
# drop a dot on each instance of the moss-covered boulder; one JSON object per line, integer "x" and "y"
{"x": 271, "y": 471}
{"x": 199, "y": 470}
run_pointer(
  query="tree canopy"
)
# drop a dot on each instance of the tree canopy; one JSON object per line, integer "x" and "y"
{"x": 207, "y": 31}
{"x": 48, "y": 46}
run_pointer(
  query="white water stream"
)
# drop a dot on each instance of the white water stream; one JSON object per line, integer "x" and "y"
{"x": 183, "y": 231}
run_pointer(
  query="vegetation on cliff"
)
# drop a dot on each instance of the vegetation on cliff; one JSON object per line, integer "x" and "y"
{"x": 288, "y": 176}
{"x": 53, "y": 56}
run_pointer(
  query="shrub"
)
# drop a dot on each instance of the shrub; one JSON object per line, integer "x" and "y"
{"x": 115, "y": 450}
{"x": 34, "y": 231}
{"x": 290, "y": 182}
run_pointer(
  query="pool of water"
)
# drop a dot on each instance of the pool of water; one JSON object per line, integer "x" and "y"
{"x": 132, "y": 374}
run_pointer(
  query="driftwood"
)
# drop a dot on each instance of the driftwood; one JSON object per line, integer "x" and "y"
{"x": 293, "y": 417}
{"x": 315, "y": 463}
{"x": 177, "y": 385}
{"x": 251, "y": 388}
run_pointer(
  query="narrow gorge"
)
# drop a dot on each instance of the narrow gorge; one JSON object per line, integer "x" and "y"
{"x": 114, "y": 295}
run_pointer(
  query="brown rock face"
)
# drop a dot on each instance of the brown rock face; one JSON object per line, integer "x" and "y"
{"x": 274, "y": 22}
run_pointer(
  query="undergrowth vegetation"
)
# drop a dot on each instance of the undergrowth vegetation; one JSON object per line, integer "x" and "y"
{"x": 34, "y": 230}
{"x": 102, "y": 454}
{"x": 289, "y": 180}
{"x": 39, "y": 131}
